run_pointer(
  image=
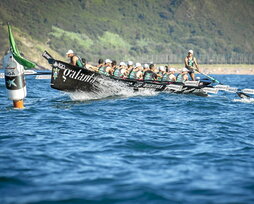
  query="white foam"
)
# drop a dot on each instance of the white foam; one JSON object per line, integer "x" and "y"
{"x": 111, "y": 89}
{"x": 43, "y": 77}
{"x": 244, "y": 100}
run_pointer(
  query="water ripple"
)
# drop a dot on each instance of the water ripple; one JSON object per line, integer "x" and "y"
{"x": 127, "y": 148}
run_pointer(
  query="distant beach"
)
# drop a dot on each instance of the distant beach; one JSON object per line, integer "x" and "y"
{"x": 231, "y": 69}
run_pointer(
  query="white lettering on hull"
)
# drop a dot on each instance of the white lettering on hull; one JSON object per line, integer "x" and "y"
{"x": 79, "y": 76}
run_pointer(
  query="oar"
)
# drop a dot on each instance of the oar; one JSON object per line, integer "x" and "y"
{"x": 238, "y": 92}
{"x": 213, "y": 79}
{"x": 33, "y": 72}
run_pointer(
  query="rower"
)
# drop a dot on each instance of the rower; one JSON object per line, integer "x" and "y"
{"x": 182, "y": 77}
{"x": 156, "y": 70}
{"x": 136, "y": 73}
{"x": 149, "y": 75}
{"x": 75, "y": 60}
{"x": 95, "y": 68}
{"x": 100, "y": 63}
{"x": 129, "y": 68}
{"x": 161, "y": 72}
{"x": 130, "y": 65}
{"x": 106, "y": 67}
{"x": 167, "y": 68}
{"x": 113, "y": 67}
{"x": 169, "y": 76}
{"x": 120, "y": 71}
{"x": 190, "y": 62}
{"x": 140, "y": 71}
{"x": 123, "y": 70}
{"x": 172, "y": 72}
{"x": 146, "y": 67}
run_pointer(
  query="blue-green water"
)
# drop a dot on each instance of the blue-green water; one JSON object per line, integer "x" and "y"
{"x": 131, "y": 148}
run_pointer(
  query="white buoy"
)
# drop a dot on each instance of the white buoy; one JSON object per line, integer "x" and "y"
{"x": 14, "y": 81}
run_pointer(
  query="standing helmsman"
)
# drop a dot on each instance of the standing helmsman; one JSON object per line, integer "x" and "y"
{"x": 190, "y": 62}
{"x": 74, "y": 59}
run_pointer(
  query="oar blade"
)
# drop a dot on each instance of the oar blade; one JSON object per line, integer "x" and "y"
{"x": 243, "y": 95}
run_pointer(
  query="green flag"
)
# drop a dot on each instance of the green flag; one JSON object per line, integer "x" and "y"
{"x": 26, "y": 63}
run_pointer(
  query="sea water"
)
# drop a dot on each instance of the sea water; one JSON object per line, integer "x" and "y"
{"x": 127, "y": 147}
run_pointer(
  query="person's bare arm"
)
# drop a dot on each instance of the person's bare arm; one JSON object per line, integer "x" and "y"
{"x": 92, "y": 68}
{"x": 196, "y": 64}
{"x": 186, "y": 78}
{"x": 140, "y": 75}
{"x": 109, "y": 70}
{"x": 74, "y": 60}
{"x": 186, "y": 63}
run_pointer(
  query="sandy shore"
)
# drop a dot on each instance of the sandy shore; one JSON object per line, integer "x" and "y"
{"x": 238, "y": 69}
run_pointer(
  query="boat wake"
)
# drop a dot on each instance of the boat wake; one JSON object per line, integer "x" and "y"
{"x": 109, "y": 89}
{"x": 244, "y": 100}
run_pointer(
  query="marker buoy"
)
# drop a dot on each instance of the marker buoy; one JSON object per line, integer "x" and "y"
{"x": 14, "y": 81}
{"x": 18, "y": 104}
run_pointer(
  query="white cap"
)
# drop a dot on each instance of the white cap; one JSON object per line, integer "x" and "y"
{"x": 69, "y": 52}
{"x": 108, "y": 61}
{"x": 138, "y": 64}
{"x": 185, "y": 70}
{"x": 190, "y": 51}
{"x": 162, "y": 68}
{"x": 146, "y": 66}
{"x": 122, "y": 64}
{"x": 130, "y": 63}
{"x": 172, "y": 70}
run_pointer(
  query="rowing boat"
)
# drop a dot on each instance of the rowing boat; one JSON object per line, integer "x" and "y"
{"x": 68, "y": 78}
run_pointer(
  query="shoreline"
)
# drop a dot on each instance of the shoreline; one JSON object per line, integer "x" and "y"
{"x": 223, "y": 69}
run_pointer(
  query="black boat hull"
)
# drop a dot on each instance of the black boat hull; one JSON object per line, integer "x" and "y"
{"x": 69, "y": 78}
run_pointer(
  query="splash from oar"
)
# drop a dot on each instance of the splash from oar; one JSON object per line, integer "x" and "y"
{"x": 239, "y": 92}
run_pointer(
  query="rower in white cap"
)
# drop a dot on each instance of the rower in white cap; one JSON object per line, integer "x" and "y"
{"x": 136, "y": 73}
{"x": 146, "y": 67}
{"x": 190, "y": 62}
{"x": 130, "y": 66}
{"x": 161, "y": 72}
{"x": 172, "y": 72}
{"x": 182, "y": 77}
{"x": 74, "y": 59}
{"x": 169, "y": 76}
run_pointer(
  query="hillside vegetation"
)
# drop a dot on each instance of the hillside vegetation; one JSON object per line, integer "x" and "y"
{"x": 122, "y": 29}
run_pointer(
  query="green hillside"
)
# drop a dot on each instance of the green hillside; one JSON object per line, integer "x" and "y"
{"x": 129, "y": 28}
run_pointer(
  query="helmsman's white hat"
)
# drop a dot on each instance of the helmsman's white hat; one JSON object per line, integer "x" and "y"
{"x": 69, "y": 52}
